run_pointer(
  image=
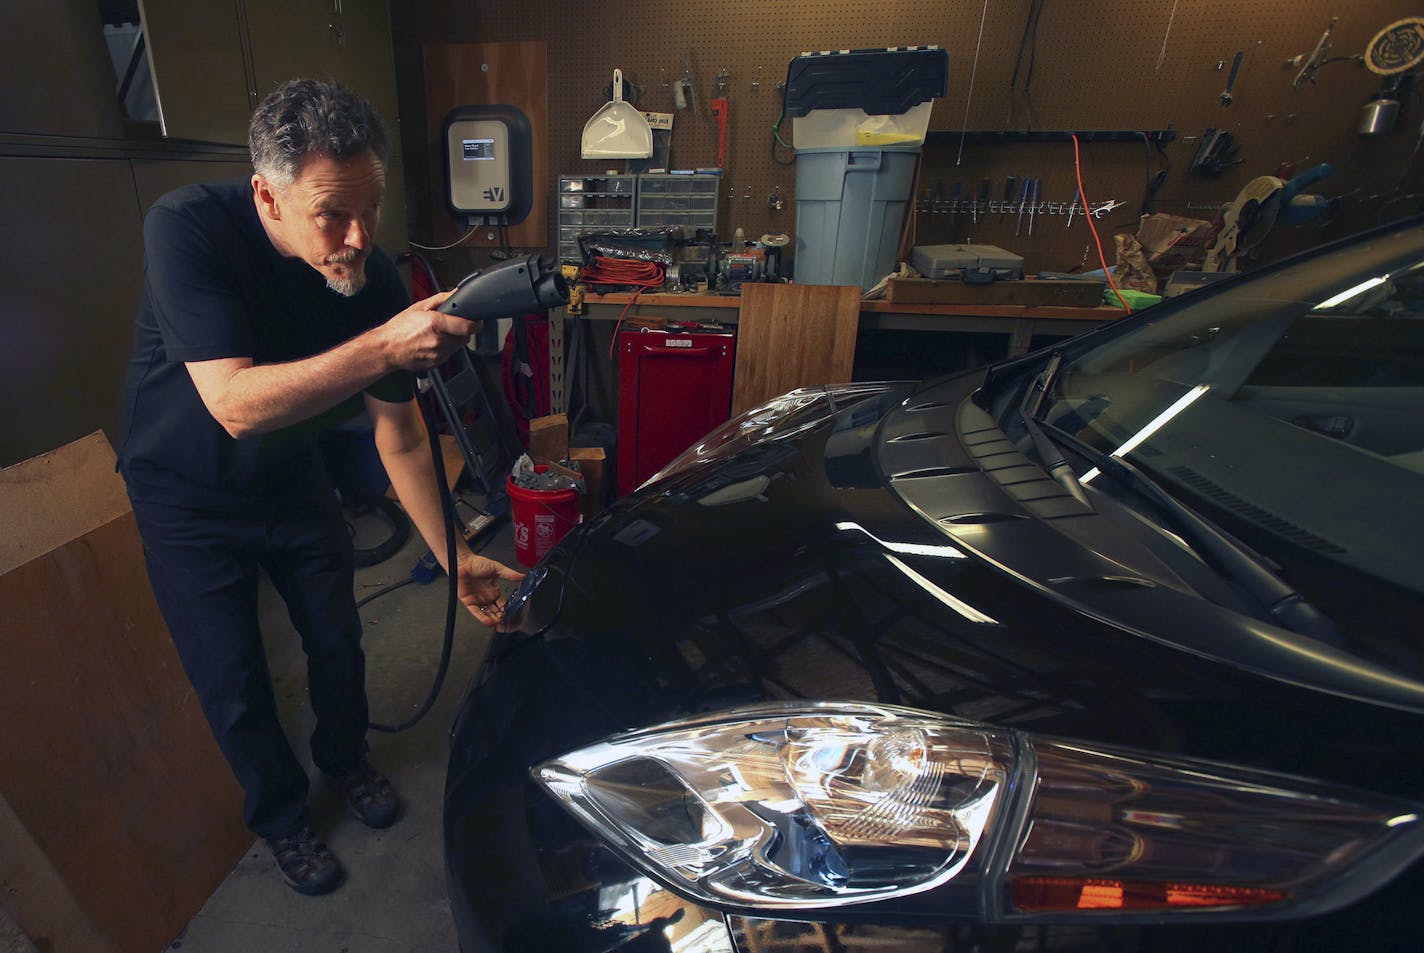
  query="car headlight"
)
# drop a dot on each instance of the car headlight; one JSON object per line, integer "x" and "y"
{"x": 803, "y": 810}
{"x": 815, "y": 805}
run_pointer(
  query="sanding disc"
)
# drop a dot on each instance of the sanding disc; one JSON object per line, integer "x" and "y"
{"x": 1397, "y": 48}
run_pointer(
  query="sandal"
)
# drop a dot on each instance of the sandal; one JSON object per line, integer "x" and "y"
{"x": 305, "y": 863}
{"x": 369, "y": 795}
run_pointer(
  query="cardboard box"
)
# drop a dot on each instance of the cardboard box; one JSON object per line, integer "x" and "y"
{"x": 549, "y": 438}
{"x": 118, "y": 815}
{"x": 593, "y": 466}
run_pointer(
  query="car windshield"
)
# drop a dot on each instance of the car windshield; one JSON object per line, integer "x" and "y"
{"x": 1294, "y": 419}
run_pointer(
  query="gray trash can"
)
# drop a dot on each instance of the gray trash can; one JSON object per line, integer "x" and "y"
{"x": 859, "y": 118}
{"x": 850, "y": 207}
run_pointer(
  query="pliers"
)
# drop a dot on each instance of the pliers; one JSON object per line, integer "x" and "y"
{"x": 1105, "y": 208}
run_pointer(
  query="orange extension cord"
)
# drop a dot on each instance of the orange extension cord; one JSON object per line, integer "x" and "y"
{"x": 622, "y": 272}
{"x": 1078, "y": 169}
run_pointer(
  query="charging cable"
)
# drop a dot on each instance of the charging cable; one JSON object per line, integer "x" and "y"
{"x": 447, "y": 507}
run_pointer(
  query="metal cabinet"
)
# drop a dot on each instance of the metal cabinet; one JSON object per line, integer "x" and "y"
{"x": 673, "y": 389}
{"x": 213, "y": 64}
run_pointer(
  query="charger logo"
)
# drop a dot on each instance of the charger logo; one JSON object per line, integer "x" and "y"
{"x": 495, "y": 193}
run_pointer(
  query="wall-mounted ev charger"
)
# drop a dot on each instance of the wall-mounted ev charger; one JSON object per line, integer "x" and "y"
{"x": 489, "y": 165}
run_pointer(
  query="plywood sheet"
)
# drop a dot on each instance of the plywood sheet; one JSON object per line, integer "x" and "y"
{"x": 36, "y": 901}
{"x": 791, "y": 336}
{"x": 50, "y": 499}
{"x": 106, "y": 761}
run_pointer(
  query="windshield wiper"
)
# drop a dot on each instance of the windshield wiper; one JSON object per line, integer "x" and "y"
{"x": 1051, "y": 457}
{"x": 1053, "y": 460}
{"x": 1039, "y": 387}
{"x": 1283, "y": 605}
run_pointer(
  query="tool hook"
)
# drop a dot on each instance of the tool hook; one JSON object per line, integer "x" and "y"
{"x": 1105, "y": 208}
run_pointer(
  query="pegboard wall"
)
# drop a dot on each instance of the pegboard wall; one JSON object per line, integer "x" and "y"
{"x": 1094, "y": 65}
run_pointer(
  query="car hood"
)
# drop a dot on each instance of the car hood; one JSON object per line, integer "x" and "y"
{"x": 874, "y": 557}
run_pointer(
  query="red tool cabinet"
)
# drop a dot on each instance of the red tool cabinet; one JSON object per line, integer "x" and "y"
{"x": 673, "y": 389}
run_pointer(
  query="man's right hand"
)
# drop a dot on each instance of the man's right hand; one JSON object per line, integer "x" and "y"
{"x": 420, "y": 337}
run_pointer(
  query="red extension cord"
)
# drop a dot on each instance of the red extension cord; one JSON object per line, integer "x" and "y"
{"x": 1078, "y": 170}
{"x": 623, "y": 272}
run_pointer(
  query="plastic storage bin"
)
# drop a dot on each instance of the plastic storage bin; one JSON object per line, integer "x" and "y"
{"x": 669, "y": 199}
{"x": 851, "y": 99}
{"x": 858, "y": 119}
{"x": 855, "y": 128}
{"x": 850, "y": 206}
{"x": 589, "y": 203}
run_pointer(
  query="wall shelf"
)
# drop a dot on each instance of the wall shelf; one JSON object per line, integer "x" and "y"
{"x": 1157, "y": 136}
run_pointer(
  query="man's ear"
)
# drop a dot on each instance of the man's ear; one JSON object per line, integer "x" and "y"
{"x": 266, "y": 198}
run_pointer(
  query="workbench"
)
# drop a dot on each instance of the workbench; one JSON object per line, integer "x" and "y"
{"x": 1020, "y": 324}
{"x": 963, "y": 336}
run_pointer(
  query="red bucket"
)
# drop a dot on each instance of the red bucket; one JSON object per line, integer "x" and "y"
{"x": 541, "y": 518}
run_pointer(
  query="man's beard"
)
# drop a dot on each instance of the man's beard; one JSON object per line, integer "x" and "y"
{"x": 355, "y": 280}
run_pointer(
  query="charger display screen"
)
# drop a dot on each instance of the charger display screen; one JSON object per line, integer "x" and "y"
{"x": 478, "y": 149}
{"x": 488, "y": 163}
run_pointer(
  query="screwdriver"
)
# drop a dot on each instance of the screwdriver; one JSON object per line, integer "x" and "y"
{"x": 1034, "y": 207}
{"x": 1073, "y": 205}
{"x": 1009, "y": 183}
{"x": 1023, "y": 200}
{"x": 982, "y": 198}
{"x": 954, "y": 202}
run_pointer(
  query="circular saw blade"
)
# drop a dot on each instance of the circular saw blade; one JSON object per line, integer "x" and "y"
{"x": 1397, "y": 48}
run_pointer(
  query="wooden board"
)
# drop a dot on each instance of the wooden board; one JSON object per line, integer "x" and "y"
{"x": 55, "y": 497}
{"x": 791, "y": 336}
{"x": 37, "y": 902}
{"x": 465, "y": 74}
{"x": 106, "y": 762}
{"x": 1068, "y": 292}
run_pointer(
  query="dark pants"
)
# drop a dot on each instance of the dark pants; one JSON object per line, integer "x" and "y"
{"x": 203, "y": 567}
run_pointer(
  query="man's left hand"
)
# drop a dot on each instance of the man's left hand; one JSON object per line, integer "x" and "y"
{"x": 479, "y": 589}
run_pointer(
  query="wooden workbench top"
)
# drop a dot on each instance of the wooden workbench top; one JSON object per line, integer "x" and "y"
{"x": 666, "y": 300}
{"x": 1098, "y": 314}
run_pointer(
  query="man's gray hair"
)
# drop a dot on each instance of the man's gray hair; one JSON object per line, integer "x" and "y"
{"x": 304, "y": 117}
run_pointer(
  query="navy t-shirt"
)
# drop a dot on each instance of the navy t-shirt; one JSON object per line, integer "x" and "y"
{"x": 215, "y": 287}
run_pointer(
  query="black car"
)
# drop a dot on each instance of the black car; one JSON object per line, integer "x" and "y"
{"x": 1118, "y": 646}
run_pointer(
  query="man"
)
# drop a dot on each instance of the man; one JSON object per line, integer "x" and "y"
{"x": 266, "y": 310}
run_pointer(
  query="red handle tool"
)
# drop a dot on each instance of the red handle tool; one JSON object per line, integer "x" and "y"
{"x": 719, "y": 109}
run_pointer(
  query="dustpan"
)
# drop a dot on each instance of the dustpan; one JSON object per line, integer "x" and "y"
{"x": 618, "y": 130}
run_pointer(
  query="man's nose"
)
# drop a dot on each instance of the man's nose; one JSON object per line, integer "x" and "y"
{"x": 358, "y": 235}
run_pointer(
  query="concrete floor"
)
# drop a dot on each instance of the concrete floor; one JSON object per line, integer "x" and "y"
{"x": 393, "y": 900}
